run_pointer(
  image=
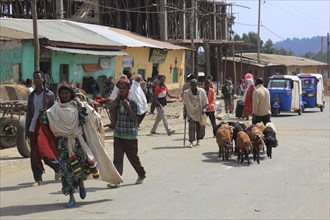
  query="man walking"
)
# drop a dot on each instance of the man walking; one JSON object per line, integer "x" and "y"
{"x": 161, "y": 92}
{"x": 195, "y": 105}
{"x": 260, "y": 103}
{"x": 211, "y": 98}
{"x": 36, "y": 102}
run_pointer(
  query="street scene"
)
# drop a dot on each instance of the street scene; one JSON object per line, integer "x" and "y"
{"x": 164, "y": 109}
{"x": 190, "y": 183}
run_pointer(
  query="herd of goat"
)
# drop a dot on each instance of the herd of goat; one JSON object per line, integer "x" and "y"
{"x": 248, "y": 139}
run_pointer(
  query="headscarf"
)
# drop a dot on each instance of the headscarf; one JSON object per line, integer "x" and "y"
{"x": 126, "y": 82}
{"x": 69, "y": 88}
{"x": 194, "y": 81}
{"x": 249, "y": 83}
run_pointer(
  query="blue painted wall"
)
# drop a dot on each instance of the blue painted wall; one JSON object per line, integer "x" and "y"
{"x": 10, "y": 54}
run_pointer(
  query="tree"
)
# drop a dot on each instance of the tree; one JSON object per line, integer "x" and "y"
{"x": 268, "y": 47}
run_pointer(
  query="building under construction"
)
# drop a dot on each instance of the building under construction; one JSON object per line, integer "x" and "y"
{"x": 192, "y": 23}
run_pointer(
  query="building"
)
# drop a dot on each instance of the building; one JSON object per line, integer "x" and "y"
{"x": 73, "y": 51}
{"x": 268, "y": 65}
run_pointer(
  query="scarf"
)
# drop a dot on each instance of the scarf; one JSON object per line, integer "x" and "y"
{"x": 137, "y": 94}
{"x": 64, "y": 121}
{"x": 194, "y": 105}
{"x": 249, "y": 84}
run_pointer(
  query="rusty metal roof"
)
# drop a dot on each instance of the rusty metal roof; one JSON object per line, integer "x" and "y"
{"x": 276, "y": 60}
{"x": 8, "y": 33}
{"x": 80, "y": 34}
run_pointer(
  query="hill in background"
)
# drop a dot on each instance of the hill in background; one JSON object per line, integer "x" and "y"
{"x": 300, "y": 47}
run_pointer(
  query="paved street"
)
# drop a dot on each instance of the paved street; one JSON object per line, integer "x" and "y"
{"x": 190, "y": 183}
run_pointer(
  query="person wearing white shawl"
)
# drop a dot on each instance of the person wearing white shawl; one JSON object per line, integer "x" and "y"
{"x": 137, "y": 94}
{"x": 195, "y": 105}
{"x": 79, "y": 144}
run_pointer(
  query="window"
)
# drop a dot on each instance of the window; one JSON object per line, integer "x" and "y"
{"x": 307, "y": 83}
{"x": 64, "y": 72}
{"x": 279, "y": 84}
{"x": 175, "y": 75}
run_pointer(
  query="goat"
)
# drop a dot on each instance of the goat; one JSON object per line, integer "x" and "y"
{"x": 256, "y": 137}
{"x": 261, "y": 126}
{"x": 224, "y": 140}
{"x": 244, "y": 146}
{"x": 237, "y": 128}
{"x": 270, "y": 138}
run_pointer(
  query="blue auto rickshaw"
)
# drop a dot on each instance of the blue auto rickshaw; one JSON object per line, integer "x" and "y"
{"x": 312, "y": 90}
{"x": 285, "y": 94}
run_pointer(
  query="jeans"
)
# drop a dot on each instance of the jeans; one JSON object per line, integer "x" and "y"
{"x": 161, "y": 116}
{"x": 211, "y": 116}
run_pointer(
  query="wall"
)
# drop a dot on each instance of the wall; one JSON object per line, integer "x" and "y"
{"x": 141, "y": 61}
{"x": 10, "y": 55}
{"x": 28, "y": 59}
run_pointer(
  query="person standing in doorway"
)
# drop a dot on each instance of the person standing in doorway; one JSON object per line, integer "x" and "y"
{"x": 195, "y": 106}
{"x": 36, "y": 101}
{"x": 161, "y": 92}
{"x": 260, "y": 103}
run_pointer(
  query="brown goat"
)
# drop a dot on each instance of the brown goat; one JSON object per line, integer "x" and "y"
{"x": 256, "y": 137}
{"x": 244, "y": 145}
{"x": 261, "y": 126}
{"x": 224, "y": 140}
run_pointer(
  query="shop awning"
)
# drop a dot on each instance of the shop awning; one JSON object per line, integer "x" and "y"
{"x": 88, "y": 52}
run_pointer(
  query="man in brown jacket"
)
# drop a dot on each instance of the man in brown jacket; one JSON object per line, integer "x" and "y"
{"x": 260, "y": 103}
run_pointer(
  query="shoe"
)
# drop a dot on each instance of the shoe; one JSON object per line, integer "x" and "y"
{"x": 57, "y": 176}
{"x": 112, "y": 185}
{"x": 197, "y": 143}
{"x": 153, "y": 132}
{"x": 82, "y": 192}
{"x": 37, "y": 183}
{"x": 190, "y": 145}
{"x": 171, "y": 132}
{"x": 71, "y": 203}
{"x": 140, "y": 180}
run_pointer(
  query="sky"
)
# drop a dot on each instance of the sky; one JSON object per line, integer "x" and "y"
{"x": 282, "y": 19}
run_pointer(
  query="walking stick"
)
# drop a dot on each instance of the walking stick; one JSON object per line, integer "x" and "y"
{"x": 184, "y": 132}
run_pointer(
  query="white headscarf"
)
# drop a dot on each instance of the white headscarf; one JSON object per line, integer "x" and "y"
{"x": 249, "y": 83}
{"x": 137, "y": 94}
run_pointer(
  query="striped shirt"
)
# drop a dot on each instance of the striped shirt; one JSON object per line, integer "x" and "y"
{"x": 125, "y": 127}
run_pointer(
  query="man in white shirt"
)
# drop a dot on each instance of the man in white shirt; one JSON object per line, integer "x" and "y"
{"x": 138, "y": 95}
{"x": 260, "y": 103}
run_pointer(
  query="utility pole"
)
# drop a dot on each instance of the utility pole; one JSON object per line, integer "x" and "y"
{"x": 321, "y": 51}
{"x": 328, "y": 55}
{"x": 258, "y": 46}
{"x": 192, "y": 36}
{"x": 35, "y": 36}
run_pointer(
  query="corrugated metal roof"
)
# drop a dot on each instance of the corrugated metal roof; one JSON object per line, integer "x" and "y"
{"x": 275, "y": 60}
{"x": 90, "y": 52}
{"x": 82, "y": 33}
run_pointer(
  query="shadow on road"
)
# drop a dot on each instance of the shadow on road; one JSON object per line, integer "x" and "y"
{"x": 169, "y": 147}
{"x": 12, "y": 158}
{"x": 213, "y": 157}
{"x": 25, "y": 185}
{"x": 20, "y": 210}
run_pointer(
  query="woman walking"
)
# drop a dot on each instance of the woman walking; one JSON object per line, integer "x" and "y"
{"x": 247, "y": 97}
{"x": 80, "y": 151}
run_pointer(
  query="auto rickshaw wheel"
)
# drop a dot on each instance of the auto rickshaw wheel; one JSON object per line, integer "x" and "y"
{"x": 8, "y": 126}
{"x": 321, "y": 108}
{"x": 275, "y": 112}
{"x": 299, "y": 111}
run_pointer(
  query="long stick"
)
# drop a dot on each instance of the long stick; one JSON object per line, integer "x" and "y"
{"x": 184, "y": 132}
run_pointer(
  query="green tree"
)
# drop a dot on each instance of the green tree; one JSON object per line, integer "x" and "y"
{"x": 268, "y": 47}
